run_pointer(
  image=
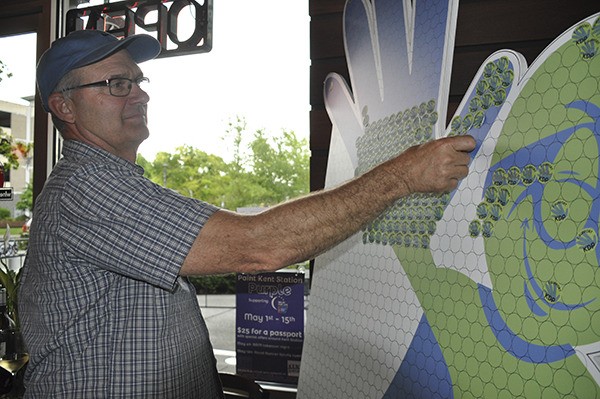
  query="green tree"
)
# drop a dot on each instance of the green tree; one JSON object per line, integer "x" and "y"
{"x": 243, "y": 190}
{"x": 26, "y": 201}
{"x": 3, "y": 71}
{"x": 263, "y": 172}
{"x": 281, "y": 165}
{"x": 190, "y": 172}
{"x": 267, "y": 169}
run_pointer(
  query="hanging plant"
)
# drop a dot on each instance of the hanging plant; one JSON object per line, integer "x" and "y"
{"x": 22, "y": 149}
{"x": 8, "y": 151}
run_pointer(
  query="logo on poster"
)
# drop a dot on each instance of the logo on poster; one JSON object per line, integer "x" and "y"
{"x": 293, "y": 368}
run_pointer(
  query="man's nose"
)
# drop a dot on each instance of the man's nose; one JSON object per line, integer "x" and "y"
{"x": 138, "y": 94}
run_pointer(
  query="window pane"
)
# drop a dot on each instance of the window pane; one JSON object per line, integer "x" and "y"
{"x": 17, "y": 91}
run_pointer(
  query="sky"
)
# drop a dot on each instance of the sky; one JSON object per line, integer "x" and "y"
{"x": 258, "y": 69}
{"x": 18, "y": 55}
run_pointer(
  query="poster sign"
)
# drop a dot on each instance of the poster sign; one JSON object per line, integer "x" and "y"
{"x": 270, "y": 326}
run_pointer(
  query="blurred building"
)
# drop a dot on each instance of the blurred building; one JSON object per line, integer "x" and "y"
{"x": 16, "y": 119}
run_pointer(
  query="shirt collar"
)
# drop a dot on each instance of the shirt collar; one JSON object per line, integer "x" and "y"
{"x": 79, "y": 150}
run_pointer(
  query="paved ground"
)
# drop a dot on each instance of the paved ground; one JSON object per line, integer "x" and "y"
{"x": 219, "y": 314}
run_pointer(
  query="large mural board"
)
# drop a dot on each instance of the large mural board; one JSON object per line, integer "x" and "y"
{"x": 492, "y": 290}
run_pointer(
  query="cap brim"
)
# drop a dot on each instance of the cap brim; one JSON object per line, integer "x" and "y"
{"x": 140, "y": 47}
{"x": 82, "y": 48}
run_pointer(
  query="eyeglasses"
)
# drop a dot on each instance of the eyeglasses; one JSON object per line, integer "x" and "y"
{"x": 117, "y": 87}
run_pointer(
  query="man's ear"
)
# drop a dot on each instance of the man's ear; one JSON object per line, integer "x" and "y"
{"x": 61, "y": 107}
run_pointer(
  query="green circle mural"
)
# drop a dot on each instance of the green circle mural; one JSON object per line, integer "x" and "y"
{"x": 498, "y": 282}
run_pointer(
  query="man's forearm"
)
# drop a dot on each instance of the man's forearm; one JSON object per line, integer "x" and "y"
{"x": 303, "y": 228}
{"x": 308, "y": 226}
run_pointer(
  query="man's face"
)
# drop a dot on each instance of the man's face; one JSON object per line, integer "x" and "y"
{"x": 116, "y": 124}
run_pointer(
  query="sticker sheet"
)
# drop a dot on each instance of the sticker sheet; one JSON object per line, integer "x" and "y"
{"x": 489, "y": 291}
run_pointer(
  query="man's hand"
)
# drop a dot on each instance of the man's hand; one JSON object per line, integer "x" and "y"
{"x": 435, "y": 166}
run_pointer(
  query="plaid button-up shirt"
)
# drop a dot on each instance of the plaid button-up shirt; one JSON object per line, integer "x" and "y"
{"x": 103, "y": 310}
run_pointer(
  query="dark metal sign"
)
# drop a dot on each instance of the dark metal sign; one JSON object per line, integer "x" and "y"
{"x": 160, "y": 18}
{"x": 6, "y": 194}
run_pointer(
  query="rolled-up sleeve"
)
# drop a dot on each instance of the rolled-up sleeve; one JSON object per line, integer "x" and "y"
{"x": 117, "y": 220}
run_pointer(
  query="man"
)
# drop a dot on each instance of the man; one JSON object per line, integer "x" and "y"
{"x": 105, "y": 307}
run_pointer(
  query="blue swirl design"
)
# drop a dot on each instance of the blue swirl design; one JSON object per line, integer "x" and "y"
{"x": 511, "y": 342}
{"x": 423, "y": 372}
{"x": 528, "y": 156}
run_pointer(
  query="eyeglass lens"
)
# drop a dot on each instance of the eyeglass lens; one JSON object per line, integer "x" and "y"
{"x": 121, "y": 87}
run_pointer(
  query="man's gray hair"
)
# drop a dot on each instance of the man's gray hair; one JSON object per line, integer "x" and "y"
{"x": 71, "y": 79}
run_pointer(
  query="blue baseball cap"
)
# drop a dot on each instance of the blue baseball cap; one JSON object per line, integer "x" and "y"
{"x": 85, "y": 47}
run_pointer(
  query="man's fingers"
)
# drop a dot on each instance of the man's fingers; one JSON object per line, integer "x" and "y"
{"x": 463, "y": 158}
{"x": 438, "y": 165}
{"x": 456, "y": 167}
{"x": 463, "y": 143}
{"x": 462, "y": 171}
{"x": 457, "y": 172}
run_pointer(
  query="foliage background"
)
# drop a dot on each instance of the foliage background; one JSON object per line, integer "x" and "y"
{"x": 264, "y": 170}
